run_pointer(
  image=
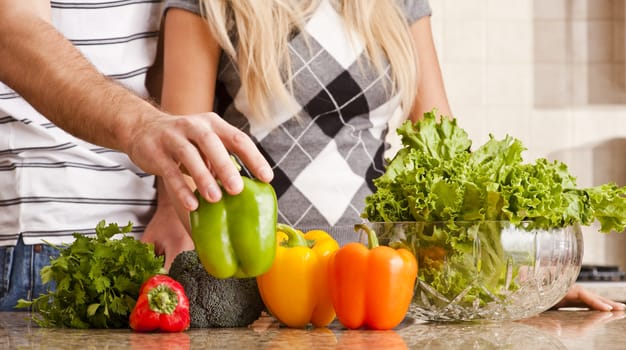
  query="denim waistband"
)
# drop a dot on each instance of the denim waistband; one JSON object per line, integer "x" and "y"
{"x": 20, "y": 277}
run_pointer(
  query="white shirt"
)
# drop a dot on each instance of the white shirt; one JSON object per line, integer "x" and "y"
{"x": 53, "y": 184}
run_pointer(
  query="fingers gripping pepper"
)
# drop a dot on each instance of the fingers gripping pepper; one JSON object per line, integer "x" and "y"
{"x": 236, "y": 236}
{"x": 372, "y": 287}
{"x": 295, "y": 289}
{"x": 162, "y": 305}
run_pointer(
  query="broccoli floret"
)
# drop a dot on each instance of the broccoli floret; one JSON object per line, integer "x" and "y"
{"x": 213, "y": 302}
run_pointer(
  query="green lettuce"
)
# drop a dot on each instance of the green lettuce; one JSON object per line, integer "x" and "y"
{"x": 436, "y": 177}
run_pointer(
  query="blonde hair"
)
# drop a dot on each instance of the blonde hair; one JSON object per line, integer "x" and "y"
{"x": 255, "y": 34}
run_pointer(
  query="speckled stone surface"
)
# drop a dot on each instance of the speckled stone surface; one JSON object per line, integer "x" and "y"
{"x": 563, "y": 329}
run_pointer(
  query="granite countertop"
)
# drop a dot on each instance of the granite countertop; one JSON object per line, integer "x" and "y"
{"x": 563, "y": 329}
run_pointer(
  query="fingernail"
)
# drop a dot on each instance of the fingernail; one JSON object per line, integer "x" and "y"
{"x": 621, "y": 306}
{"x": 266, "y": 173}
{"x": 214, "y": 193}
{"x": 191, "y": 202}
{"x": 234, "y": 184}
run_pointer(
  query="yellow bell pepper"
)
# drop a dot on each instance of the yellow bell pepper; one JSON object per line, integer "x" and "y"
{"x": 295, "y": 289}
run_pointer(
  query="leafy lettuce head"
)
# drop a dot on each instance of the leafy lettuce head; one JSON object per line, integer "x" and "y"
{"x": 436, "y": 176}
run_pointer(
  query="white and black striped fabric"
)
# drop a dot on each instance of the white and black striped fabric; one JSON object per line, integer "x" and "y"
{"x": 53, "y": 184}
{"x": 326, "y": 144}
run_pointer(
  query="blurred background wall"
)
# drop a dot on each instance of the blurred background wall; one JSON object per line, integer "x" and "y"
{"x": 551, "y": 73}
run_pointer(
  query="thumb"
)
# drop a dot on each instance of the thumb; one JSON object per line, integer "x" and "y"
{"x": 172, "y": 250}
{"x": 148, "y": 237}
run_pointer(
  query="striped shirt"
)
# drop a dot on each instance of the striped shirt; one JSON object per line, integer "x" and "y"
{"x": 53, "y": 184}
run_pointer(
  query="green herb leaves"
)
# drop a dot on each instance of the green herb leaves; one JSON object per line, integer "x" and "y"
{"x": 97, "y": 280}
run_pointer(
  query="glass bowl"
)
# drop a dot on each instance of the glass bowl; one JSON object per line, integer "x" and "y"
{"x": 486, "y": 270}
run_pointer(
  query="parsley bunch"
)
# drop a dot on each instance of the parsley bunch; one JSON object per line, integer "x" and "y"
{"x": 97, "y": 280}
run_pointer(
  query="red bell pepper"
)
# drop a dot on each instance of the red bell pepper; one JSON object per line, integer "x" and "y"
{"x": 372, "y": 287}
{"x": 162, "y": 305}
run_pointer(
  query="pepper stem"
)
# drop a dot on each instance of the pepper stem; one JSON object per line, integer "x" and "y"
{"x": 294, "y": 239}
{"x": 162, "y": 299}
{"x": 372, "y": 239}
{"x": 237, "y": 165}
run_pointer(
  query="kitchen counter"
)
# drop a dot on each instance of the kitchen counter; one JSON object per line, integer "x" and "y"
{"x": 563, "y": 329}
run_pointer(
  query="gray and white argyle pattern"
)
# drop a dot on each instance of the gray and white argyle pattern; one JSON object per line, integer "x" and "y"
{"x": 326, "y": 144}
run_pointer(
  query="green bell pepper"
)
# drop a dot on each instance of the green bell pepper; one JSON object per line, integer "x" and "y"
{"x": 236, "y": 236}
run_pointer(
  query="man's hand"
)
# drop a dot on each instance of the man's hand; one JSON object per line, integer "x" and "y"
{"x": 199, "y": 145}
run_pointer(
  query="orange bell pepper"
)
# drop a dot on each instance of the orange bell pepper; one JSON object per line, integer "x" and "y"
{"x": 295, "y": 289}
{"x": 372, "y": 287}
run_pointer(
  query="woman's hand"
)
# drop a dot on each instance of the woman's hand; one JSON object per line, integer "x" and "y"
{"x": 167, "y": 234}
{"x": 577, "y": 296}
{"x": 168, "y": 228}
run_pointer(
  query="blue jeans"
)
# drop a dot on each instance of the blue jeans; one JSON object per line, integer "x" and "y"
{"x": 19, "y": 273}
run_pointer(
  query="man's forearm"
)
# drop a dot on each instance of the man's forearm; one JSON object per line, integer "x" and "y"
{"x": 53, "y": 76}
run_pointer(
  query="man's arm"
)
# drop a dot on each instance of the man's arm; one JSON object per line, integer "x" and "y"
{"x": 54, "y": 77}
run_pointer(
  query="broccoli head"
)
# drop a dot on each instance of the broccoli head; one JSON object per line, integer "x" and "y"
{"x": 214, "y": 302}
